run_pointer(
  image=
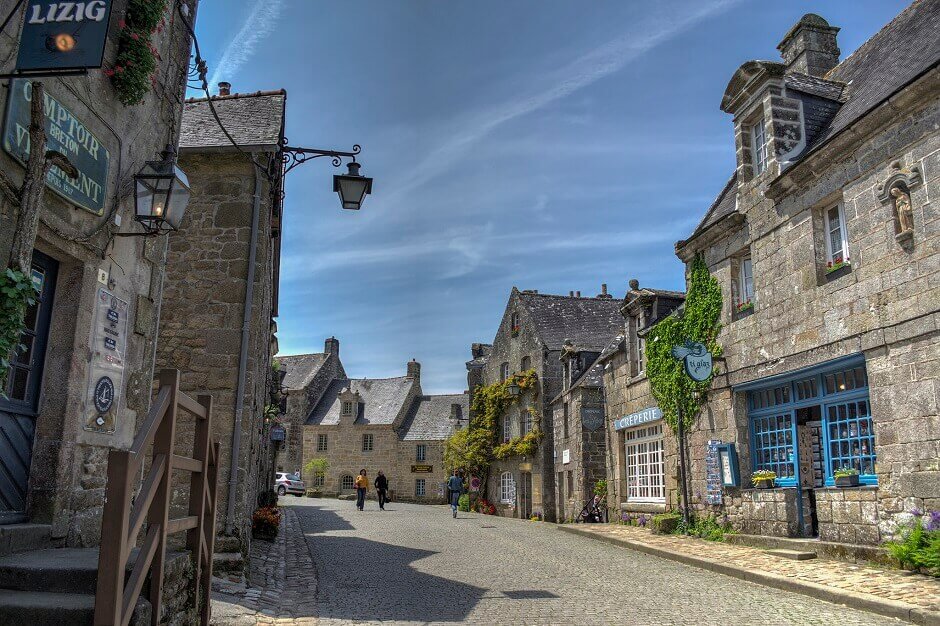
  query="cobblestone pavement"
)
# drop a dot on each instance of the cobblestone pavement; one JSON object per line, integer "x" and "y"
{"x": 918, "y": 590}
{"x": 415, "y": 564}
{"x": 282, "y": 583}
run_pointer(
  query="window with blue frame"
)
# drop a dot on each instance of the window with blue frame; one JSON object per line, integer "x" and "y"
{"x": 847, "y": 427}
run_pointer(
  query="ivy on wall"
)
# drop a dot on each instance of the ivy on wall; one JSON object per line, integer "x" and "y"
{"x": 472, "y": 449}
{"x": 17, "y": 293}
{"x": 133, "y": 74}
{"x": 670, "y": 385}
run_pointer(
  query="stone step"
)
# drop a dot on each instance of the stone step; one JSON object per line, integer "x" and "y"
{"x": 21, "y": 537}
{"x": 57, "y": 609}
{"x": 795, "y": 555}
{"x": 227, "y": 563}
{"x": 824, "y": 549}
{"x": 59, "y": 570}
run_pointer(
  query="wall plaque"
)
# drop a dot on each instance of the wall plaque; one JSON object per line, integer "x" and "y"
{"x": 66, "y": 134}
{"x": 106, "y": 367}
{"x": 422, "y": 469}
{"x": 713, "y": 473}
{"x": 592, "y": 418}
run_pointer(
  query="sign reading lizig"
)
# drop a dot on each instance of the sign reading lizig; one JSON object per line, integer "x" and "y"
{"x": 63, "y": 35}
{"x": 65, "y": 133}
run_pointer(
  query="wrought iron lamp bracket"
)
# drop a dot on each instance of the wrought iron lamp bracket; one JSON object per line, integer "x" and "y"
{"x": 292, "y": 157}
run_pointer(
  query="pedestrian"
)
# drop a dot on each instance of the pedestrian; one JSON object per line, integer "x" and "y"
{"x": 362, "y": 484}
{"x": 454, "y": 487}
{"x": 381, "y": 487}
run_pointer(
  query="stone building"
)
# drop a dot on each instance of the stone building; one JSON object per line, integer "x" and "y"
{"x": 307, "y": 377}
{"x": 86, "y": 262}
{"x": 221, "y": 289}
{"x": 641, "y": 450}
{"x": 383, "y": 424}
{"x": 532, "y": 336}
{"x": 825, "y": 242}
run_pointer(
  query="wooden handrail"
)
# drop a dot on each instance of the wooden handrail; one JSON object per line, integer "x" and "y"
{"x": 124, "y": 516}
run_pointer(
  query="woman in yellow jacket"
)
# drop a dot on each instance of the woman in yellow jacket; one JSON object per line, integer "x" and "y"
{"x": 362, "y": 483}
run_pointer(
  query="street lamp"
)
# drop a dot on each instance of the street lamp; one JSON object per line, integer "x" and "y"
{"x": 513, "y": 389}
{"x": 352, "y": 187}
{"x": 161, "y": 194}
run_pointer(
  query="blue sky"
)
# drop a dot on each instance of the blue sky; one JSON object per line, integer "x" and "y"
{"x": 547, "y": 145}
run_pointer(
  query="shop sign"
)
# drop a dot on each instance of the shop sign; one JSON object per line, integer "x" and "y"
{"x": 566, "y": 456}
{"x": 422, "y": 469}
{"x": 278, "y": 433}
{"x": 697, "y": 360}
{"x": 592, "y": 418}
{"x": 67, "y": 134}
{"x": 713, "y": 480}
{"x": 63, "y": 35}
{"x": 640, "y": 417}
{"x": 106, "y": 367}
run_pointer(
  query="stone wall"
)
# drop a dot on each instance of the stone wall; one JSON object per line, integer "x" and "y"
{"x": 586, "y": 450}
{"x": 299, "y": 404}
{"x": 848, "y": 515}
{"x": 771, "y": 512}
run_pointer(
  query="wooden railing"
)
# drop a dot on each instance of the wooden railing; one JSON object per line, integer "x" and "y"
{"x": 124, "y": 515}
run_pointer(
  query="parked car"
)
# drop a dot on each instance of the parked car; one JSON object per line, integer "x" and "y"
{"x": 286, "y": 483}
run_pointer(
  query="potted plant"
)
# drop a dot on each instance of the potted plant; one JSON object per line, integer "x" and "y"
{"x": 265, "y": 522}
{"x": 846, "y": 477}
{"x": 836, "y": 264}
{"x": 747, "y": 305}
{"x": 764, "y": 479}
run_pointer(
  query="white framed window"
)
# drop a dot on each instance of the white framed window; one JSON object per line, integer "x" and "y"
{"x": 507, "y": 488}
{"x": 322, "y": 442}
{"x": 514, "y": 323}
{"x": 525, "y": 420}
{"x": 347, "y": 482}
{"x": 347, "y": 407}
{"x": 758, "y": 147}
{"x": 319, "y": 479}
{"x": 504, "y": 371}
{"x": 368, "y": 442}
{"x": 837, "y": 241}
{"x": 745, "y": 281}
{"x": 421, "y": 452}
{"x": 420, "y": 487}
{"x": 507, "y": 429}
{"x": 646, "y": 471}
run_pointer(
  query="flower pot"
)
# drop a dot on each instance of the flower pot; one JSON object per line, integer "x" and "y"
{"x": 847, "y": 481}
{"x": 764, "y": 483}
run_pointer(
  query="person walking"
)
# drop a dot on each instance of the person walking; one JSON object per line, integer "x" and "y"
{"x": 362, "y": 484}
{"x": 454, "y": 487}
{"x": 381, "y": 487}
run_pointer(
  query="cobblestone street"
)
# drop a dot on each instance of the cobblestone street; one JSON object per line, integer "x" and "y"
{"x": 415, "y": 564}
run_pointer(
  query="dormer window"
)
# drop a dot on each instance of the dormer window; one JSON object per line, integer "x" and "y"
{"x": 758, "y": 147}
{"x": 347, "y": 408}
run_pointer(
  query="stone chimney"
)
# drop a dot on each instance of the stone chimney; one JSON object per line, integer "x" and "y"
{"x": 634, "y": 284}
{"x": 577, "y": 294}
{"x": 810, "y": 46}
{"x": 331, "y": 346}
{"x": 225, "y": 89}
{"x": 603, "y": 294}
{"x": 414, "y": 370}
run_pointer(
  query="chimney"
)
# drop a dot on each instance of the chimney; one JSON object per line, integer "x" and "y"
{"x": 414, "y": 370}
{"x": 603, "y": 294}
{"x": 810, "y": 46}
{"x": 634, "y": 284}
{"x": 331, "y": 346}
{"x": 577, "y": 294}
{"x": 571, "y": 294}
{"x": 225, "y": 89}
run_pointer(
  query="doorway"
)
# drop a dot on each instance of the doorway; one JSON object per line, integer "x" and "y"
{"x": 525, "y": 499}
{"x": 809, "y": 445}
{"x": 18, "y": 411}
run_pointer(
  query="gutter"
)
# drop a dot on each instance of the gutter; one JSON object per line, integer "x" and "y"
{"x": 243, "y": 355}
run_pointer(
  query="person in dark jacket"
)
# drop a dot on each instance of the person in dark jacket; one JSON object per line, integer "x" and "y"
{"x": 381, "y": 487}
{"x": 454, "y": 489}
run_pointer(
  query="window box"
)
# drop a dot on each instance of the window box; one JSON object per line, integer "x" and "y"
{"x": 764, "y": 483}
{"x": 847, "y": 481}
{"x": 515, "y": 331}
{"x": 836, "y": 265}
{"x": 744, "y": 309}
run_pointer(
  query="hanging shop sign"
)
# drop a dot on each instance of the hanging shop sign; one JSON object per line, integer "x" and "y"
{"x": 278, "y": 433}
{"x": 697, "y": 360}
{"x": 67, "y": 134}
{"x": 63, "y": 35}
{"x": 645, "y": 416}
{"x": 422, "y": 469}
{"x": 712, "y": 473}
{"x": 106, "y": 367}
{"x": 592, "y": 418}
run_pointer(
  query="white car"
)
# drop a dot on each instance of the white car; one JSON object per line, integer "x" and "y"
{"x": 286, "y": 483}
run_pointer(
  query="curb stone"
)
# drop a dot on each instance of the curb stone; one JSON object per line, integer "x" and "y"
{"x": 865, "y": 602}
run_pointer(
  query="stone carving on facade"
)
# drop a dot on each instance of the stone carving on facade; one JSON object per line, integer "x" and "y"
{"x": 897, "y": 189}
{"x": 902, "y": 209}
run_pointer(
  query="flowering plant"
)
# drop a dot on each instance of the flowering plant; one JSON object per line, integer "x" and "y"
{"x": 133, "y": 73}
{"x": 747, "y": 305}
{"x": 845, "y": 470}
{"x": 761, "y": 475}
{"x": 265, "y": 522}
{"x": 835, "y": 264}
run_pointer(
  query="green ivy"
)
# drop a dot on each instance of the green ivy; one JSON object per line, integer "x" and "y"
{"x": 670, "y": 385}
{"x": 17, "y": 293}
{"x": 136, "y": 62}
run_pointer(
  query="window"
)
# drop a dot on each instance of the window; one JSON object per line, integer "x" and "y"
{"x": 514, "y": 323}
{"x": 646, "y": 470}
{"x": 421, "y": 452}
{"x": 347, "y": 482}
{"x": 851, "y": 437}
{"x": 322, "y": 442}
{"x": 420, "y": 487}
{"x": 773, "y": 446}
{"x": 837, "y": 245}
{"x": 525, "y": 420}
{"x": 526, "y": 363}
{"x": 507, "y": 429}
{"x": 507, "y": 488}
{"x": 570, "y": 484}
{"x": 759, "y": 147}
{"x": 504, "y": 371}
{"x": 564, "y": 422}
{"x": 347, "y": 407}
{"x": 745, "y": 281}
{"x": 319, "y": 479}
{"x": 367, "y": 442}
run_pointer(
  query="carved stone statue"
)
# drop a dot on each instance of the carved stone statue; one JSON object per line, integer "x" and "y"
{"x": 902, "y": 207}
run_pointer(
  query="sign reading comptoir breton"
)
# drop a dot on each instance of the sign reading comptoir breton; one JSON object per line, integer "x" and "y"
{"x": 641, "y": 417}
{"x": 67, "y": 134}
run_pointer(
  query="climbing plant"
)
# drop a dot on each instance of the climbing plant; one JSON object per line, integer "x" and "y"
{"x": 17, "y": 293}
{"x": 133, "y": 71}
{"x": 699, "y": 321}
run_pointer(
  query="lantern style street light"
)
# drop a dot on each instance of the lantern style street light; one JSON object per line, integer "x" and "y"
{"x": 161, "y": 194}
{"x": 352, "y": 187}
{"x": 513, "y": 389}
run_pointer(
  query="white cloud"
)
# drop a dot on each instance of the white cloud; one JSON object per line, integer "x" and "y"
{"x": 258, "y": 25}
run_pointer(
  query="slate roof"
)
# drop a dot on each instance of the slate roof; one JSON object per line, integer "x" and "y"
{"x": 485, "y": 350}
{"x": 381, "y": 400}
{"x": 816, "y": 86}
{"x": 725, "y": 204}
{"x": 253, "y": 120}
{"x": 588, "y": 322}
{"x": 428, "y": 419}
{"x": 301, "y": 368}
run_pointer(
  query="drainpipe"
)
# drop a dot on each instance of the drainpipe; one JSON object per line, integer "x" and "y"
{"x": 243, "y": 356}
